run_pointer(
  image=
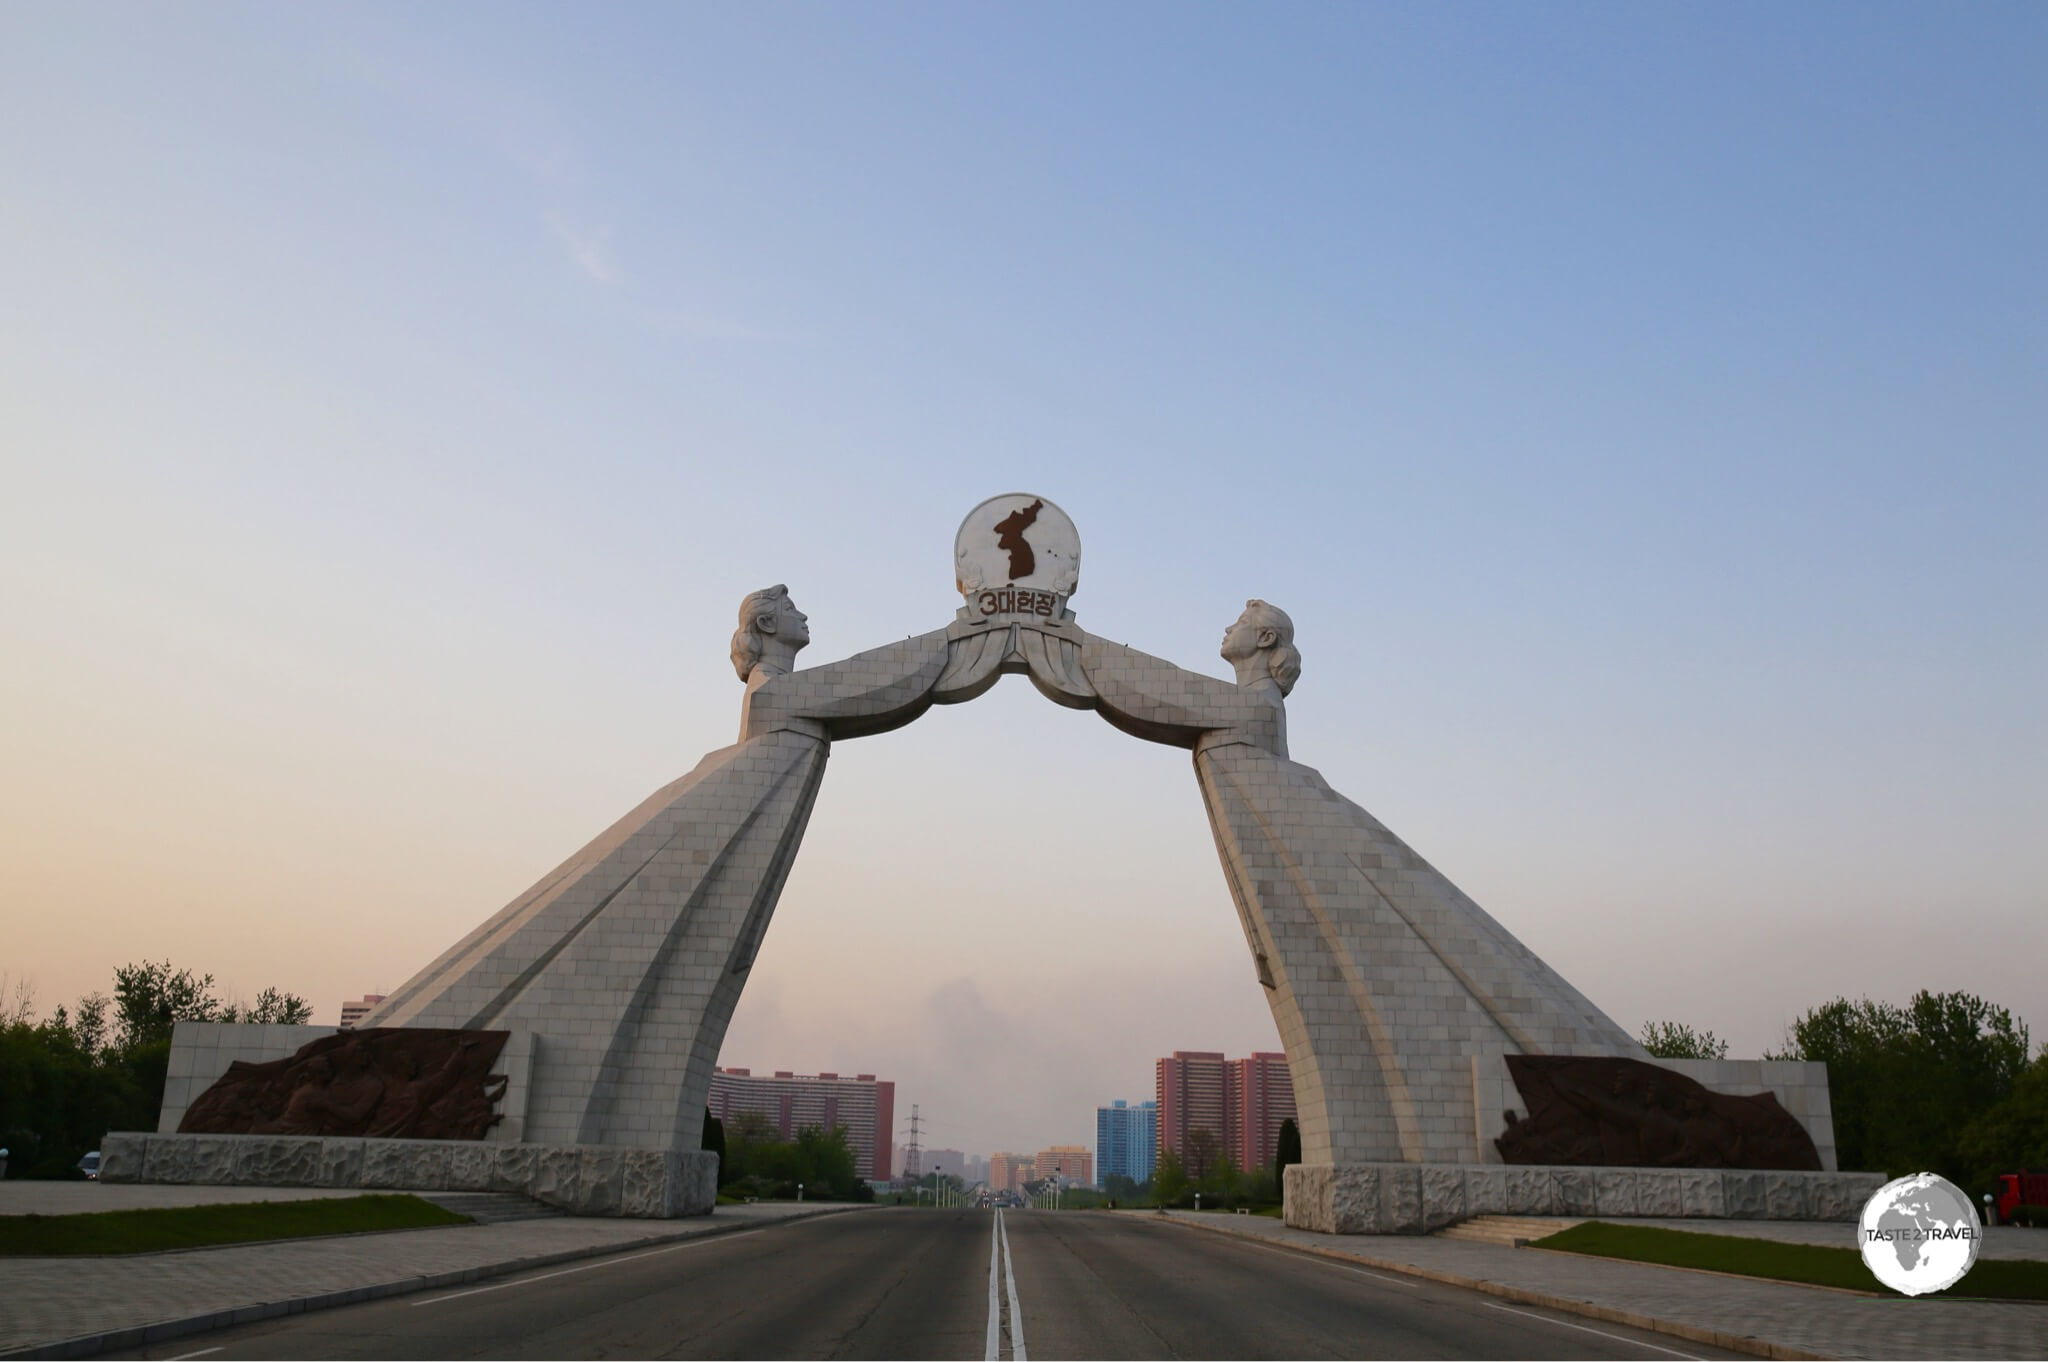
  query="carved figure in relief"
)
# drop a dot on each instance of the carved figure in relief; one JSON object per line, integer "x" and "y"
{"x": 417, "y": 1095}
{"x": 771, "y": 631}
{"x": 1622, "y": 1112}
{"x": 426, "y": 1083}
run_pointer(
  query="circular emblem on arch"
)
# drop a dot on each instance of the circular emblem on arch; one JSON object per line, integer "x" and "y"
{"x": 1017, "y": 543}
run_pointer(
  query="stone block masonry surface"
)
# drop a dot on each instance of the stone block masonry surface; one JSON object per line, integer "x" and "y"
{"x": 1384, "y": 979}
{"x": 592, "y": 1180}
{"x": 1409, "y": 1198}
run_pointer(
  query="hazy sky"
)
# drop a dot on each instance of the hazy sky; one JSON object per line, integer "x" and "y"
{"x": 1640, "y": 409}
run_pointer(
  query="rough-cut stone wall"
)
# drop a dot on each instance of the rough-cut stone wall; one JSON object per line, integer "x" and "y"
{"x": 580, "y": 1179}
{"x": 1404, "y": 1198}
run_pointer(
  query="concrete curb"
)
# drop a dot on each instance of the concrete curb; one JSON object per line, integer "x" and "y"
{"x": 142, "y": 1335}
{"x": 1755, "y": 1347}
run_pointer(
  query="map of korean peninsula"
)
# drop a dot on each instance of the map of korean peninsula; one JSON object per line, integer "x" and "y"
{"x": 1010, "y": 537}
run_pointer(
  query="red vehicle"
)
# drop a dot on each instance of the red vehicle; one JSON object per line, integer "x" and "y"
{"x": 2026, "y": 1188}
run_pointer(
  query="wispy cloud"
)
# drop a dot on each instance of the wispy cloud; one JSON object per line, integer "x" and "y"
{"x": 589, "y": 247}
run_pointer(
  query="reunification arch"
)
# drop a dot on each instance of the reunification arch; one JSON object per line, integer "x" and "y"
{"x": 626, "y": 961}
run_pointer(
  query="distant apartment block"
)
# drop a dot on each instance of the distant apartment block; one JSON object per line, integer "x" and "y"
{"x": 1190, "y": 1088}
{"x": 1126, "y": 1139}
{"x": 351, "y": 1013}
{"x": 949, "y": 1161}
{"x": 1009, "y": 1172}
{"x": 865, "y": 1105}
{"x": 977, "y": 1169}
{"x": 1261, "y": 1097}
{"x": 1072, "y": 1164}
{"x": 1240, "y": 1102}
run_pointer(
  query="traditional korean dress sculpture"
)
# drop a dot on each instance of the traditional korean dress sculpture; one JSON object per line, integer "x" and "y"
{"x": 1384, "y": 978}
{"x": 628, "y": 959}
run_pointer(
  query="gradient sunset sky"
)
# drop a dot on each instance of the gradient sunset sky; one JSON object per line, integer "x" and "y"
{"x": 1641, "y": 410}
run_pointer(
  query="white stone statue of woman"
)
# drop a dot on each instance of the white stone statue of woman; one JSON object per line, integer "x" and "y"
{"x": 1384, "y": 978}
{"x": 646, "y": 935}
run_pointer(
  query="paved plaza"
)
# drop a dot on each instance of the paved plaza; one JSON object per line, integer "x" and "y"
{"x": 1776, "y": 1319}
{"x": 49, "y": 1300}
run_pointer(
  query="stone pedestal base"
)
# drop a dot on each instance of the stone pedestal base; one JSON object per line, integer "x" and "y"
{"x": 1417, "y": 1198}
{"x": 580, "y": 1179}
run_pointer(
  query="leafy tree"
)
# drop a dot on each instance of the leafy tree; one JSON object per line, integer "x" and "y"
{"x": 1286, "y": 1148}
{"x": 1676, "y": 1040}
{"x": 1220, "y": 1182}
{"x": 1202, "y": 1152}
{"x": 2013, "y": 1133}
{"x": 757, "y": 1163}
{"x": 89, "y": 1028}
{"x": 271, "y": 1008}
{"x": 1905, "y": 1082}
{"x": 1123, "y": 1190}
{"x": 149, "y": 999}
{"x": 1169, "y": 1180}
{"x": 714, "y": 1139}
{"x": 66, "y": 1081}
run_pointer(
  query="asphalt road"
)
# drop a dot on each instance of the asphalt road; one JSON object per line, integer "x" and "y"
{"x": 943, "y": 1284}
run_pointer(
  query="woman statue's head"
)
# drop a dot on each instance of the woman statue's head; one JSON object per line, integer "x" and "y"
{"x": 1261, "y": 646}
{"x": 771, "y": 630}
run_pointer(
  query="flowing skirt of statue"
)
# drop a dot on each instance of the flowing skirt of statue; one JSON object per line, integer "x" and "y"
{"x": 627, "y": 960}
{"x": 1384, "y": 978}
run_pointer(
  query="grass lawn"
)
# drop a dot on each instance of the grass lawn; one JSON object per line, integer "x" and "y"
{"x": 180, "y": 1227}
{"x": 1813, "y": 1264}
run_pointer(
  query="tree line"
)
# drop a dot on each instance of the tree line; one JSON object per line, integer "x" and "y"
{"x": 67, "y": 1079}
{"x": 1204, "y": 1170}
{"x": 754, "y": 1161}
{"x": 1944, "y": 1084}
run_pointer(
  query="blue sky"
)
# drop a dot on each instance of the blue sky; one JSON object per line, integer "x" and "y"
{"x": 1639, "y": 409}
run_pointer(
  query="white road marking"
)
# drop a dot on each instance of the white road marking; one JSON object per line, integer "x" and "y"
{"x": 1619, "y": 1338}
{"x": 1341, "y": 1267}
{"x": 1017, "y": 1352}
{"x": 587, "y": 1267}
{"x": 201, "y": 1353}
{"x": 994, "y": 1348}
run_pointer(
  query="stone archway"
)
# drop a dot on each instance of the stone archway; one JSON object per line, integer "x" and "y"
{"x": 626, "y": 962}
